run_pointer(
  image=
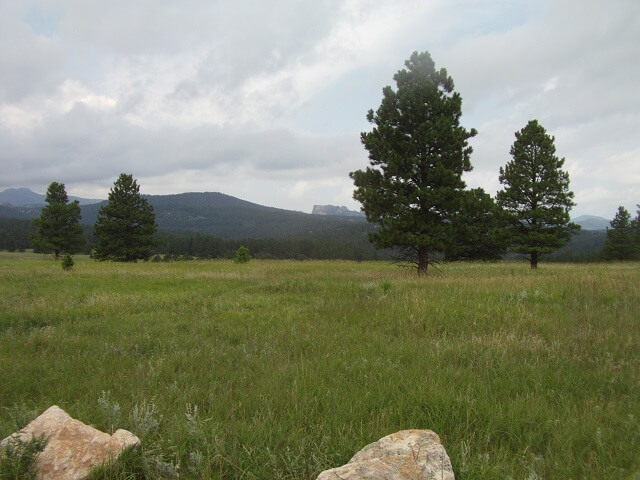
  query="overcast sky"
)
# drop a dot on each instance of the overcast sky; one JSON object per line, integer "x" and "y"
{"x": 266, "y": 100}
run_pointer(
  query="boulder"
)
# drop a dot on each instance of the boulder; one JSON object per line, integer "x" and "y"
{"x": 73, "y": 448}
{"x": 405, "y": 455}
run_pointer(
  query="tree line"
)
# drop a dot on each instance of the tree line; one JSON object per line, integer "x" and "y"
{"x": 623, "y": 238}
{"x": 412, "y": 189}
{"x": 18, "y": 235}
{"x": 125, "y": 230}
{"x": 177, "y": 246}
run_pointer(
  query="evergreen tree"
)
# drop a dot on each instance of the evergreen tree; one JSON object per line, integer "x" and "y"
{"x": 242, "y": 255}
{"x": 67, "y": 262}
{"x": 125, "y": 225}
{"x": 536, "y": 196}
{"x": 58, "y": 227}
{"x": 621, "y": 237}
{"x": 635, "y": 227}
{"x": 15, "y": 233}
{"x": 477, "y": 229}
{"x": 417, "y": 153}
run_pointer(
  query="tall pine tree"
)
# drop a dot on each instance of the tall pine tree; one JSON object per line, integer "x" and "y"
{"x": 126, "y": 224}
{"x": 59, "y": 230}
{"x": 622, "y": 237}
{"x": 417, "y": 153}
{"x": 536, "y": 196}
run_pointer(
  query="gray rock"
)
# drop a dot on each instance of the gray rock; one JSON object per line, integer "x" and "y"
{"x": 73, "y": 448}
{"x": 405, "y": 455}
{"x": 334, "y": 210}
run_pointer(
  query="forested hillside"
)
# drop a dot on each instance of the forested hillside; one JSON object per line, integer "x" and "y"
{"x": 14, "y": 233}
{"x": 223, "y": 216}
{"x": 213, "y": 225}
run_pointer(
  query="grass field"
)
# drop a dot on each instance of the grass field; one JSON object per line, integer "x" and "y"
{"x": 282, "y": 369}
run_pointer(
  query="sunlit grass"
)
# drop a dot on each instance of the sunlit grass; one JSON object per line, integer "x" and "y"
{"x": 280, "y": 369}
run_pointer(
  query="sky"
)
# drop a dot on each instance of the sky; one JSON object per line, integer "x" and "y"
{"x": 265, "y": 101}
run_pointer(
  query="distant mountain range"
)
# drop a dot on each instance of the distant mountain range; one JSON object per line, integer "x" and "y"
{"x": 21, "y": 197}
{"x": 211, "y": 213}
{"x": 229, "y": 217}
{"x": 592, "y": 222}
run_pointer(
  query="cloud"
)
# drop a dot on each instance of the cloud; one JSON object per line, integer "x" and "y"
{"x": 266, "y": 99}
{"x": 29, "y": 60}
{"x": 623, "y": 170}
{"x": 92, "y": 144}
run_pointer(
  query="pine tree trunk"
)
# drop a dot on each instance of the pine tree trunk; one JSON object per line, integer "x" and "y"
{"x": 423, "y": 261}
{"x": 534, "y": 260}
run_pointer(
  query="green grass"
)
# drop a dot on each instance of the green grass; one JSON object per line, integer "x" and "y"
{"x": 284, "y": 369}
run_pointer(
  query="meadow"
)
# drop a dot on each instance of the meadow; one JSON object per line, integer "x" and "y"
{"x": 282, "y": 369}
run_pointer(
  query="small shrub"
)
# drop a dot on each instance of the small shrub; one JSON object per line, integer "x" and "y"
{"x": 67, "y": 262}
{"x": 145, "y": 421}
{"x": 21, "y": 415}
{"x": 110, "y": 410}
{"x": 242, "y": 255}
{"x": 18, "y": 460}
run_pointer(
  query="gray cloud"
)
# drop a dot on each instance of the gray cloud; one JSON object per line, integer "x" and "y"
{"x": 29, "y": 61}
{"x": 252, "y": 98}
{"x": 95, "y": 146}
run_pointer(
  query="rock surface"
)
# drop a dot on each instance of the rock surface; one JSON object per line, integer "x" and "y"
{"x": 405, "y": 455}
{"x": 335, "y": 210}
{"x": 73, "y": 448}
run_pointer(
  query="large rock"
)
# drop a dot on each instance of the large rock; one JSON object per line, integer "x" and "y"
{"x": 73, "y": 448}
{"x": 334, "y": 210}
{"x": 405, "y": 455}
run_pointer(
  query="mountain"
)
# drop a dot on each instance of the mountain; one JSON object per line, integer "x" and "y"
{"x": 336, "y": 211}
{"x": 231, "y": 218}
{"x": 592, "y": 222}
{"x": 22, "y": 196}
{"x": 225, "y": 217}
{"x": 181, "y": 217}
{"x": 587, "y": 244}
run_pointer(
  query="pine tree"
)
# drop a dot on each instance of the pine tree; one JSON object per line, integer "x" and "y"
{"x": 67, "y": 262}
{"x": 417, "y": 153}
{"x": 621, "y": 237}
{"x": 59, "y": 230}
{"x": 126, "y": 224}
{"x": 536, "y": 196}
{"x": 242, "y": 255}
{"x": 635, "y": 227}
{"x": 477, "y": 229}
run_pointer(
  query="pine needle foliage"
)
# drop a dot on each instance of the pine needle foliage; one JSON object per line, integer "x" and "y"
{"x": 126, "y": 224}
{"x": 418, "y": 152}
{"x": 536, "y": 196}
{"x": 622, "y": 237}
{"x": 242, "y": 255}
{"x": 18, "y": 459}
{"x": 59, "y": 230}
{"x": 67, "y": 262}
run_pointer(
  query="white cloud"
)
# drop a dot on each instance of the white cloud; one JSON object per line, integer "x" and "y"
{"x": 218, "y": 95}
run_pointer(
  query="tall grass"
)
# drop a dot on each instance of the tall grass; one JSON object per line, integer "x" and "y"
{"x": 284, "y": 369}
